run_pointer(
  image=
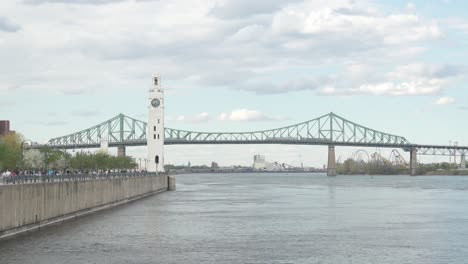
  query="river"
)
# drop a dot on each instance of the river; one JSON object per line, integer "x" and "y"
{"x": 268, "y": 218}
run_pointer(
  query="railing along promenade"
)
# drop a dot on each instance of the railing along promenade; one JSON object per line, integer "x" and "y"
{"x": 23, "y": 179}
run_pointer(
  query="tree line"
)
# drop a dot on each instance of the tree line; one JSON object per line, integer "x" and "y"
{"x": 385, "y": 167}
{"x": 373, "y": 167}
{"x": 15, "y": 156}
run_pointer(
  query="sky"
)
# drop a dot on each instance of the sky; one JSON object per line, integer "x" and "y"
{"x": 237, "y": 65}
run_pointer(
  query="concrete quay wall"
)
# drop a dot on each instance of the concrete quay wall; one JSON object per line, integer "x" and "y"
{"x": 25, "y": 207}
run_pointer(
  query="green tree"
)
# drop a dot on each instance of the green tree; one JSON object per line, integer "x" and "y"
{"x": 51, "y": 157}
{"x": 11, "y": 152}
{"x": 2, "y": 154}
{"x": 100, "y": 161}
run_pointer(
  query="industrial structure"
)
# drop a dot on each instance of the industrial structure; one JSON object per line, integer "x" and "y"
{"x": 260, "y": 164}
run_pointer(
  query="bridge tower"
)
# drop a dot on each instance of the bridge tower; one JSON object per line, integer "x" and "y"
{"x": 413, "y": 161}
{"x": 155, "y": 129}
{"x": 463, "y": 161}
{"x": 331, "y": 168}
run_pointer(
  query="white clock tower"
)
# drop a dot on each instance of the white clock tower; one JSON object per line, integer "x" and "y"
{"x": 155, "y": 130}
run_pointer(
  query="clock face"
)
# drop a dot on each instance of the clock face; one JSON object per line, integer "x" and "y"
{"x": 155, "y": 102}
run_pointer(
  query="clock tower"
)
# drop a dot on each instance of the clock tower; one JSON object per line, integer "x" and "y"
{"x": 155, "y": 129}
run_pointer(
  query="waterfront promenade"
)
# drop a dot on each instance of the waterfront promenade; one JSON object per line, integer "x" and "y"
{"x": 27, "y": 205}
{"x": 22, "y": 179}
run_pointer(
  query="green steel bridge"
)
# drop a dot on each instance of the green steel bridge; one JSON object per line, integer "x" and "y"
{"x": 330, "y": 130}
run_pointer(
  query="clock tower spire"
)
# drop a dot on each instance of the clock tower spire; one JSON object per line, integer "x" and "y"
{"x": 155, "y": 129}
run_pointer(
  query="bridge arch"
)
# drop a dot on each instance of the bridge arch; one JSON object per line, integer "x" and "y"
{"x": 329, "y": 129}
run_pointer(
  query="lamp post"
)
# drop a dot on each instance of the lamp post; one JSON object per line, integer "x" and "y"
{"x": 81, "y": 161}
{"x": 450, "y": 155}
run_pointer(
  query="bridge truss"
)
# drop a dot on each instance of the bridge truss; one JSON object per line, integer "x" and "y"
{"x": 117, "y": 131}
{"x": 442, "y": 150}
{"x": 325, "y": 130}
{"x": 330, "y": 129}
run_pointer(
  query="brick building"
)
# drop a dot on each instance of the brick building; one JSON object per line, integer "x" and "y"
{"x": 4, "y": 127}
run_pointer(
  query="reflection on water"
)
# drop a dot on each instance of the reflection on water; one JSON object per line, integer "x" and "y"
{"x": 268, "y": 218}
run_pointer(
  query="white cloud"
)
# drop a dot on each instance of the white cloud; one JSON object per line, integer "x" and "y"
{"x": 247, "y": 115}
{"x": 198, "y": 118}
{"x": 460, "y": 24}
{"x": 328, "y": 48}
{"x": 235, "y": 115}
{"x": 358, "y": 71}
{"x": 7, "y": 26}
{"x": 248, "y": 33}
{"x": 351, "y": 19}
{"x": 411, "y": 6}
{"x": 415, "y": 79}
{"x": 79, "y": 2}
{"x": 446, "y": 100}
{"x": 236, "y": 9}
{"x": 418, "y": 87}
{"x": 328, "y": 90}
{"x": 421, "y": 70}
{"x": 249, "y": 42}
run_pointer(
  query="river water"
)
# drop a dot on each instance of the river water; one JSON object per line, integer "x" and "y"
{"x": 268, "y": 218}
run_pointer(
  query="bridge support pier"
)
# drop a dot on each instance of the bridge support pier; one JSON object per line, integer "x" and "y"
{"x": 463, "y": 162}
{"x": 121, "y": 151}
{"x": 413, "y": 161}
{"x": 331, "y": 168}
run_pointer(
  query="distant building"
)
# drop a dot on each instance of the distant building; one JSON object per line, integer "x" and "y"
{"x": 104, "y": 148}
{"x": 4, "y": 128}
{"x": 260, "y": 164}
{"x": 214, "y": 165}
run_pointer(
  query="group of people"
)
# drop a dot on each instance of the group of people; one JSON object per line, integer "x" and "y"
{"x": 9, "y": 173}
{"x": 50, "y": 172}
{"x": 15, "y": 174}
{"x": 51, "y": 175}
